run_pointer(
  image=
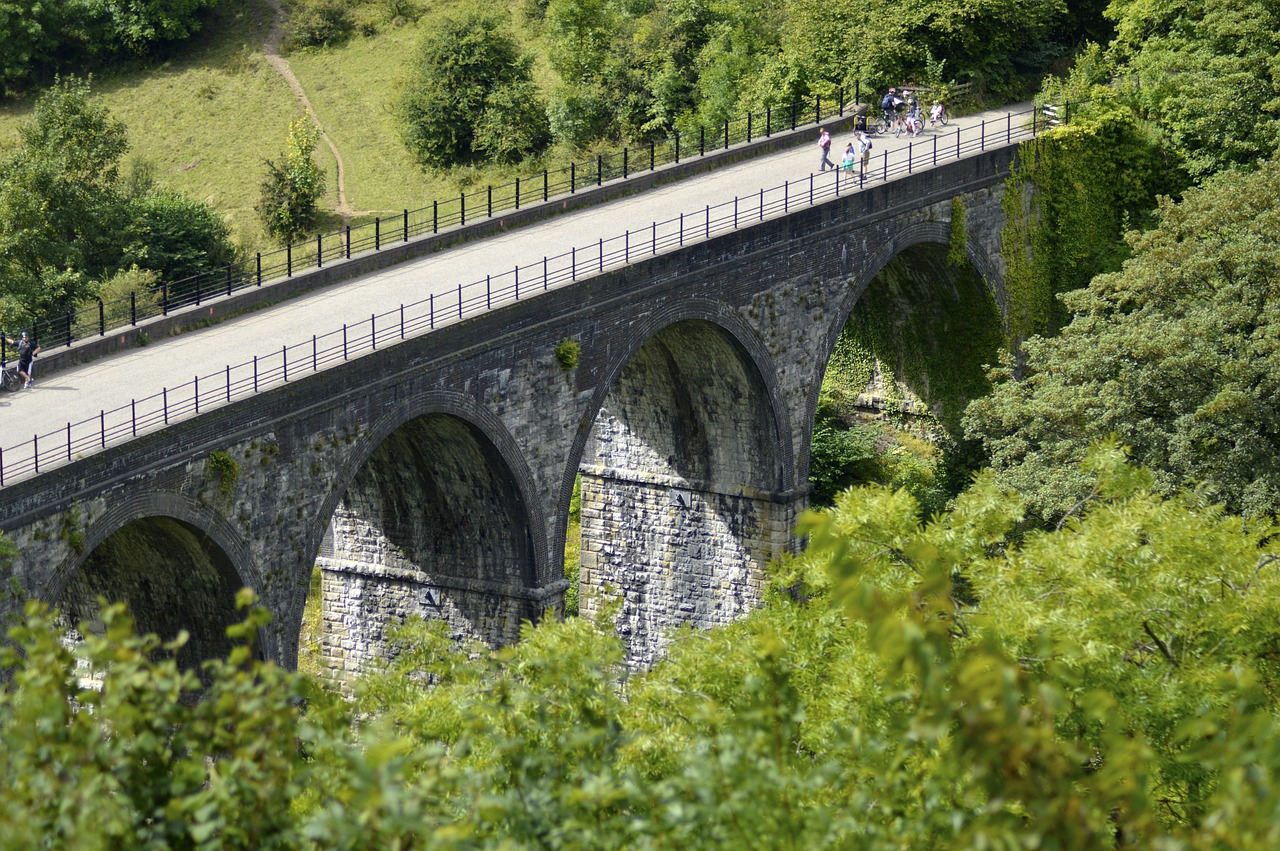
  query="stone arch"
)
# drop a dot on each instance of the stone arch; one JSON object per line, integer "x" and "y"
{"x": 686, "y": 470}
{"x": 176, "y": 564}
{"x": 751, "y": 350}
{"x": 917, "y": 239}
{"x": 435, "y": 516}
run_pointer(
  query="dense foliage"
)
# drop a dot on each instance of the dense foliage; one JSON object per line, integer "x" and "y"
{"x": 41, "y": 38}
{"x": 1207, "y": 73}
{"x": 70, "y": 221}
{"x": 471, "y": 96}
{"x": 1176, "y": 353}
{"x": 906, "y": 685}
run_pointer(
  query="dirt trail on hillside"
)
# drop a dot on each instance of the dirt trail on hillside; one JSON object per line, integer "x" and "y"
{"x": 271, "y": 48}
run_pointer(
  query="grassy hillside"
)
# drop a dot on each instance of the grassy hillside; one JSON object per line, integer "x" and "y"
{"x": 209, "y": 116}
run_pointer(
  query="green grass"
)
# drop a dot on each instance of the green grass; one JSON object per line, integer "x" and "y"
{"x": 352, "y": 89}
{"x": 208, "y": 117}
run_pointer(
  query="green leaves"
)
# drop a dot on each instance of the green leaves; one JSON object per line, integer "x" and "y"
{"x": 470, "y": 97}
{"x": 292, "y": 189}
{"x": 1176, "y": 354}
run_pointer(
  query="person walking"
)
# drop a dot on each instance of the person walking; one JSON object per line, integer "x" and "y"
{"x": 862, "y": 146}
{"x": 849, "y": 155}
{"x": 26, "y": 355}
{"x": 824, "y": 145}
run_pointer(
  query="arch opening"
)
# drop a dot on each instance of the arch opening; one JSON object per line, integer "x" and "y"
{"x": 679, "y": 481}
{"x": 172, "y": 576}
{"x": 913, "y": 351}
{"x": 433, "y": 524}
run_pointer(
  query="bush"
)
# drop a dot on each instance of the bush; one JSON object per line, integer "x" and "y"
{"x": 321, "y": 24}
{"x": 291, "y": 190}
{"x": 471, "y": 97}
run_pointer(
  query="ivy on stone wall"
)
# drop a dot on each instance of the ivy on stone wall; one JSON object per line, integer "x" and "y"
{"x": 958, "y": 254}
{"x": 1071, "y": 196}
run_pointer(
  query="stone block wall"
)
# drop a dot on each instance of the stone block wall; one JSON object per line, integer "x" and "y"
{"x": 674, "y": 554}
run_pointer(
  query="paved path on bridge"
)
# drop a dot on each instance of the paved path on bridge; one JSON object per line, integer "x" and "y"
{"x": 79, "y": 393}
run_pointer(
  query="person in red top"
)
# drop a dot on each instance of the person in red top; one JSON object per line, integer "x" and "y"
{"x": 824, "y": 145}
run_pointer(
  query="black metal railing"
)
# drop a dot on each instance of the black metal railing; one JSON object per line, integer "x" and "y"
{"x": 265, "y": 372}
{"x": 103, "y": 317}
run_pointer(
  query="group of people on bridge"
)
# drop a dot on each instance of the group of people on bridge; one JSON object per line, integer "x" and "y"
{"x": 893, "y": 107}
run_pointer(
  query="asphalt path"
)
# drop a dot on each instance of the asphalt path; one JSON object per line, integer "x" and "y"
{"x": 79, "y": 394}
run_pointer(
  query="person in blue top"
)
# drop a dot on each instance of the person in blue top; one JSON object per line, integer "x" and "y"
{"x": 889, "y": 103}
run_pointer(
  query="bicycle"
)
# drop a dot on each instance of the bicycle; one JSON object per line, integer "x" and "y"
{"x": 9, "y": 379}
{"x": 939, "y": 115}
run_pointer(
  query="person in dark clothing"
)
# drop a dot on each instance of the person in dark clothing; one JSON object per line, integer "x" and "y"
{"x": 27, "y": 352}
{"x": 889, "y": 103}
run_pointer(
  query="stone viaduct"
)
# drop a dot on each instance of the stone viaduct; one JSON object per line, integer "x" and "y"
{"x": 434, "y": 476}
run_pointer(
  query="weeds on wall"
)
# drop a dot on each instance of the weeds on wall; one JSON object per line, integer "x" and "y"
{"x": 224, "y": 469}
{"x": 567, "y": 354}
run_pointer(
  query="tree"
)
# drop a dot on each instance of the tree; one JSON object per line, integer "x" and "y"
{"x": 292, "y": 189}
{"x": 59, "y": 212}
{"x": 1174, "y": 354}
{"x": 30, "y": 34}
{"x": 1207, "y": 73}
{"x": 471, "y": 97}
{"x": 175, "y": 236}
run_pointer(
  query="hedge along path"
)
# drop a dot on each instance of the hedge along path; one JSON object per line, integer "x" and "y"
{"x": 271, "y": 49}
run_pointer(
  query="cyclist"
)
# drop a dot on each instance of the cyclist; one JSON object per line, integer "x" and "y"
{"x": 26, "y": 354}
{"x": 913, "y": 123}
{"x": 889, "y": 104}
{"x": 936, "y": 112}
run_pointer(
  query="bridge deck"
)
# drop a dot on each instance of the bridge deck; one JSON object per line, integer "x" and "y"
{"x": 81, "y": 394}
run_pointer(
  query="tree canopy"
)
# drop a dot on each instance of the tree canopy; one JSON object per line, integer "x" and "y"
{"x": 1176, "y": 354}
{"x": 907, "y": 684}
{"x": 471, "y": 96}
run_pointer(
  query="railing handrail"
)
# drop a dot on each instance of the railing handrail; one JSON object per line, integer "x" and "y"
{"x": 439, "y": 215}
{"x": 267, "y": 372}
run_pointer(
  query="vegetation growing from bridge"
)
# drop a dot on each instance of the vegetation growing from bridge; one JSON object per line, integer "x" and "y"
{"x": 938, "y": 684}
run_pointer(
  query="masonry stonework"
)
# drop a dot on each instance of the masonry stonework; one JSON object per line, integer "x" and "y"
{"x": 444, "y": 465}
